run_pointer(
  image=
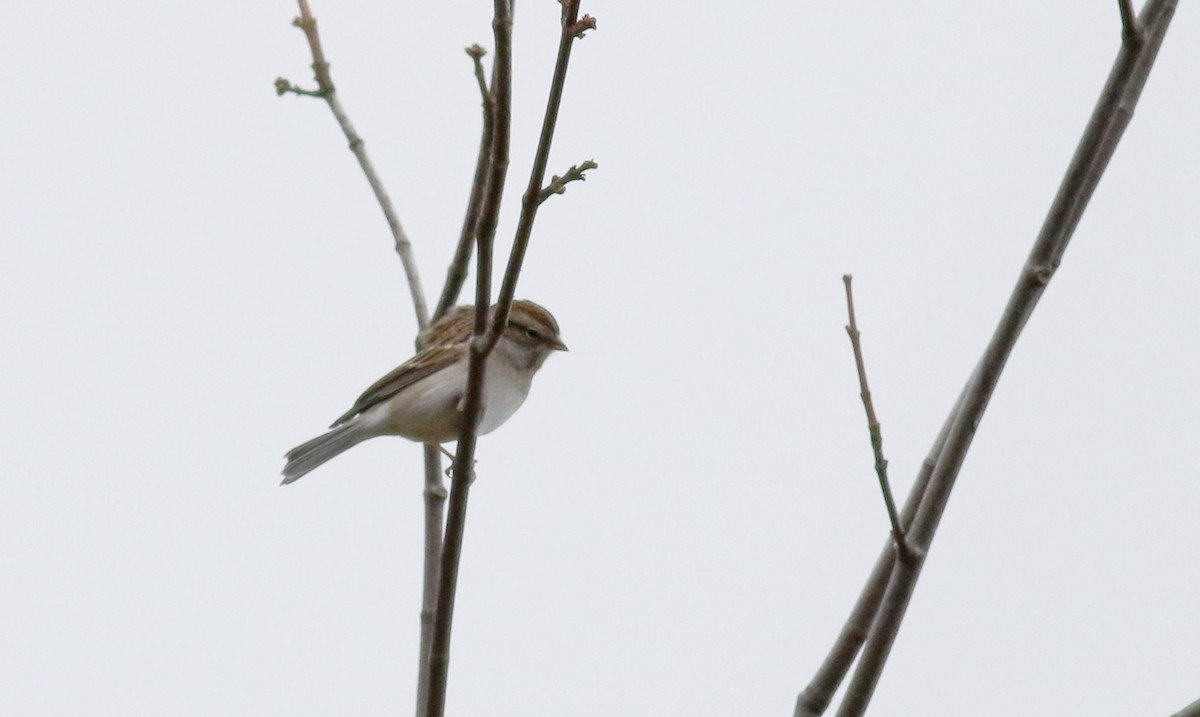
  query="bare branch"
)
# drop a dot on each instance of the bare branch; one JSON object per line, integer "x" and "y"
{"x": 435, "y": 502}
{"x": 326, "y": 91}
{"x": 472, "y": 402}
{"x": 558, "y": 185}
{"x": 1104, "y": 130}
{"x": 532, "y": 198}
{"x": 456, "y": 275}
{"x": 873, "y": 424}
{"x": 489, "y": 325}
{"x": 815, "y": 698}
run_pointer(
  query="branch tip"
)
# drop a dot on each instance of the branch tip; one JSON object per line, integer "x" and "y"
{"x": 558, "y": 185}
{"x": 585, "y": 23}
{"x": 282, "y": 87}
{"x": 476, "y": 51}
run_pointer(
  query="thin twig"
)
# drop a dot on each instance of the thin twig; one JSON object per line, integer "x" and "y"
{"x": 1115, "y": 106}
{"x": 326, "y": 91}
{"x": 456, "y": 275}
{"x": 815, "y": 698}
{"x": 558, "y": 185}
{"x": 873, "y": 423}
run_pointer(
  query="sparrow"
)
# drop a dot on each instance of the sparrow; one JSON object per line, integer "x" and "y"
{"x": 422, "y": 399}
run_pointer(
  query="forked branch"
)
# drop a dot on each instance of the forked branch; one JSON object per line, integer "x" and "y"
{"x": 1109, "y": 119}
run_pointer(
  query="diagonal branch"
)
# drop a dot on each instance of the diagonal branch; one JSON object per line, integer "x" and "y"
{"x": 815, "y": 698}
{"x": 326, "y": 90}
{"x": 1108, "y": 122}
{"x": 1192, "y": 710}
{"x": 456, "y": 275}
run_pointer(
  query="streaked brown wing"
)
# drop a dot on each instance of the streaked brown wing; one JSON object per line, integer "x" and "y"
{"x": 453, "y": 328}
{"x": 427, "y": 362}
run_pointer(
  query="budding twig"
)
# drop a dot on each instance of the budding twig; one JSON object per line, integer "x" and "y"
{"x": 873, "y": 427}
{"x": 558, "y": 185}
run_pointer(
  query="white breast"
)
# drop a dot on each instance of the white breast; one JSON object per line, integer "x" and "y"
{"x": 504, "y": 391}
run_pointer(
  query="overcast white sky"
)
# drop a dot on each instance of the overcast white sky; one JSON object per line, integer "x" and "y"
{"x": 195, "y": 277}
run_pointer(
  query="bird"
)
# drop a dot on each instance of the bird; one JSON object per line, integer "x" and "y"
{"x": 422, "y": 399}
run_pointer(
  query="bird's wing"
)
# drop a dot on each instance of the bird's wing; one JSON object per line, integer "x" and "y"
{"x": 425, "y": 363}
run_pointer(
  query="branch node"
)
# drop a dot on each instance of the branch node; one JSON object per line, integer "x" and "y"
{"x": 1041, "y": 273}
{"x": 1132, "y": 32}
{"x": 906, "y": 552}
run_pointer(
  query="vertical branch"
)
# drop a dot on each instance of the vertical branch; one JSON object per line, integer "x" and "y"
{"x": 326, "y": 90}
{"x": 490, "y": 324}
{"x": 435, "y": 501}
{"x": 435, "y": 490}
{"x": 1111, "y": 115}
{"x": 464, "y": 459}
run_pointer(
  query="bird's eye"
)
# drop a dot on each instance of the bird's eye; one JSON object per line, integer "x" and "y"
{"x": 533, "y": 334}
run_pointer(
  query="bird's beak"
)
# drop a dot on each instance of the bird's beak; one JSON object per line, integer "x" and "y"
{"x": 558, "y": 345}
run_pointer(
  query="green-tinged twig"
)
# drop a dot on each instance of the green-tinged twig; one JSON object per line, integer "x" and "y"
{"x": 815, "y": 698}
{"x": 326, "y": 91}
{"x": 558, "y": 185}
{"x": 1108, "y": 122}
{"x": 873, "y": 424}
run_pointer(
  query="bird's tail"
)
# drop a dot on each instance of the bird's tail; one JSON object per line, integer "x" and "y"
{"x": 311, "y": 454}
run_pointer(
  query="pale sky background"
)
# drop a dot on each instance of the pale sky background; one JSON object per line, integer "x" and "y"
{"x": 195, "y": 277}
